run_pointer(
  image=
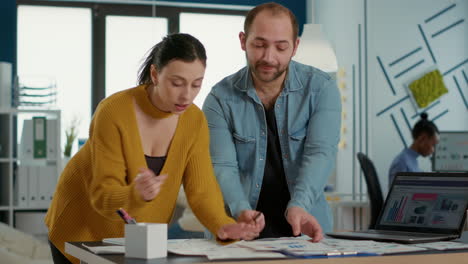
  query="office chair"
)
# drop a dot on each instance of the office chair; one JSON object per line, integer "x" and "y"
{"x": 373, "y": 187}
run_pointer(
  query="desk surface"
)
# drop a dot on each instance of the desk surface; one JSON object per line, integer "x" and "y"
{"x": 433, "y": 257}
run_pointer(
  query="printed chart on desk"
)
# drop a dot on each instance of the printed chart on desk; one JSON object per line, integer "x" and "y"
{"x": 440, "y": 205}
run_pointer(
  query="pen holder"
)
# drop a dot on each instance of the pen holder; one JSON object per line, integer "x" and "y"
{"x": 146, "y": 240}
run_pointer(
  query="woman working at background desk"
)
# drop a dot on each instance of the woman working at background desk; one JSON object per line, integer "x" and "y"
{"x": 425, "y": 136}
{"x": 155, "y": 126}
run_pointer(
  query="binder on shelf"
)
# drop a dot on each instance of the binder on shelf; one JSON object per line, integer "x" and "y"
{"x": 47, "y": 180}
{"x": 53, "y": 177}
{"x": 26, "y": 143}
{"x": 28, "y": 147}
{"x": 33, "y": 179}
{"x": 43, "y": 186}
{"x": 5, "y": 84}
{"x": 51, "y": 139}
{"x": 40, "y": 132}
{"x": 22, "y": 175}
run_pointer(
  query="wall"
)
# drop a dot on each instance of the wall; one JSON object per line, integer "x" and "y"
{"x": 8, "y": 20}
{"x": 381, "y": 46}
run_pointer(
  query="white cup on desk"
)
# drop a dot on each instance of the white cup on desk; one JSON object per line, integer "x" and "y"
{"x": 146, "y": 240}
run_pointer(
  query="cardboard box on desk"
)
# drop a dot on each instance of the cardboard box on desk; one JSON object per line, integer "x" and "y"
{"x": 146, "y": 240}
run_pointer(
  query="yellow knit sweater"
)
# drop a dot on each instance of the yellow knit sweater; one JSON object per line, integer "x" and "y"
{"x": 99, "y": 179}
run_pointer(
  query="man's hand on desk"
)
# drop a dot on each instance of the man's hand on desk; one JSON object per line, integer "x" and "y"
{"x": 303, "y": 222}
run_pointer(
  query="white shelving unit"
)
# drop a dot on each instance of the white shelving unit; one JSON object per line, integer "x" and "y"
{"x": 10, "y": 133}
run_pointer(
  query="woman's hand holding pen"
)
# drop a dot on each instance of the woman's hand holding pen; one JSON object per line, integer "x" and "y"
{"x": 148, "y": 184}
{"x": 249, "y": 225}
{"x": 241, "y": 231}
{"x": 252, "y": 217}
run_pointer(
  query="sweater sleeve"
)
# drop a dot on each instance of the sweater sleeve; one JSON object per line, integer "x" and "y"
{"x": 202, "y": 189}
{"x": 109, "y": 187}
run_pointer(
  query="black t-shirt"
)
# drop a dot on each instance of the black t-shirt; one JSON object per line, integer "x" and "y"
{"x": 274, "y": 195}
{"x": 155, "y": 163}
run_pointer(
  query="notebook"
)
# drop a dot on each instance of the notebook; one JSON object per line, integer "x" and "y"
{"x": 420, "y": 207}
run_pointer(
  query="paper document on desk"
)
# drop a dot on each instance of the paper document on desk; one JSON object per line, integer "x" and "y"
{"x": 291, "y": 246}
{"x": 369, "y": 246}
{"x": 300, "y": 247}
{"x": 443, "y": 245}
{"x": 105, "y": 249}
{"x": 215, "y": 251}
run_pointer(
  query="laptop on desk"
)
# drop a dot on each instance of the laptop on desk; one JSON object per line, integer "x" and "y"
{"x": 420, "y": 207}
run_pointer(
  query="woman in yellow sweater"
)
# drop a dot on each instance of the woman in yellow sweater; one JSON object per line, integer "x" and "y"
{"x": 135, "y": 135}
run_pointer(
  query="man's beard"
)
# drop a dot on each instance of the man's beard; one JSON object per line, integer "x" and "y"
{"x": 257, "y": 73}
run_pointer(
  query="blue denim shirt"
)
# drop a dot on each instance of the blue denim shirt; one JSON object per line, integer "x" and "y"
{"x": 308, "y": 116}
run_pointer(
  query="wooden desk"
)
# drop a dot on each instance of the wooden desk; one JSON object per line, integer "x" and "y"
{"x": 428, "y": 257}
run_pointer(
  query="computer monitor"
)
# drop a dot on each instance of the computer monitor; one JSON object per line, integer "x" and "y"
{"x": 451, "y": 154}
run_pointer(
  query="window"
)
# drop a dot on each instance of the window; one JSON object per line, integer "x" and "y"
{"x": 93, "y": 49}
{"x": 55, "y": 43}
{"x": 222, "y": 45}
{"x": 128, "y": 39}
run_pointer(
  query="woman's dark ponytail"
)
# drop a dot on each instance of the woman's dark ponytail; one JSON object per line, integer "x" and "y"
{"x": 173, "y": 47}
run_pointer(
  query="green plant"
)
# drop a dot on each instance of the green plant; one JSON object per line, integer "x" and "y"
{"x": 71, "y": 133}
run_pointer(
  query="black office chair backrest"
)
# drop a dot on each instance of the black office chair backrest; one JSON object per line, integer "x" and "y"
{"x": 373, "y": 188}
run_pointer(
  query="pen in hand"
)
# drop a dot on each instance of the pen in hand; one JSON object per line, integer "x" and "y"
{"x": 257, "y": 216}
{"x": 126, "y": 217}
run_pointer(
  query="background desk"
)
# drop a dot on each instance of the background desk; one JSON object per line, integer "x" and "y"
{"x": 350, "y": 212}
{"x": 429, "y": 257}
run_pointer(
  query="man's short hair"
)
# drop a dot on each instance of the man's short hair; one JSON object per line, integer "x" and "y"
{"x": 274, "y": 9}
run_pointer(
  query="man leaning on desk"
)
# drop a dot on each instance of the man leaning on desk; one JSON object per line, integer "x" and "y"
{"x": 274, "y": 129}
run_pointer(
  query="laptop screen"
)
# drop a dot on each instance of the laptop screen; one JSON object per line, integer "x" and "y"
{"x": 426, "y": 202}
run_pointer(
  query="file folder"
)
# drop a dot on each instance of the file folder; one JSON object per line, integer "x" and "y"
{"x": 33, "y": 178}
{"x": 51, "y": 139}
{"x": 26, "y": 144}
{"x": 22, "y": 175}
{"x": 40, "y": 142}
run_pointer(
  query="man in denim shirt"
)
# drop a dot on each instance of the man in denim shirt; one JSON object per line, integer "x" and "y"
{"x": 274, "y": 129}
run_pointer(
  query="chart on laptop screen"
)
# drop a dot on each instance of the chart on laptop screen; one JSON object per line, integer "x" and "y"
{"x": 436, "y": 202}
